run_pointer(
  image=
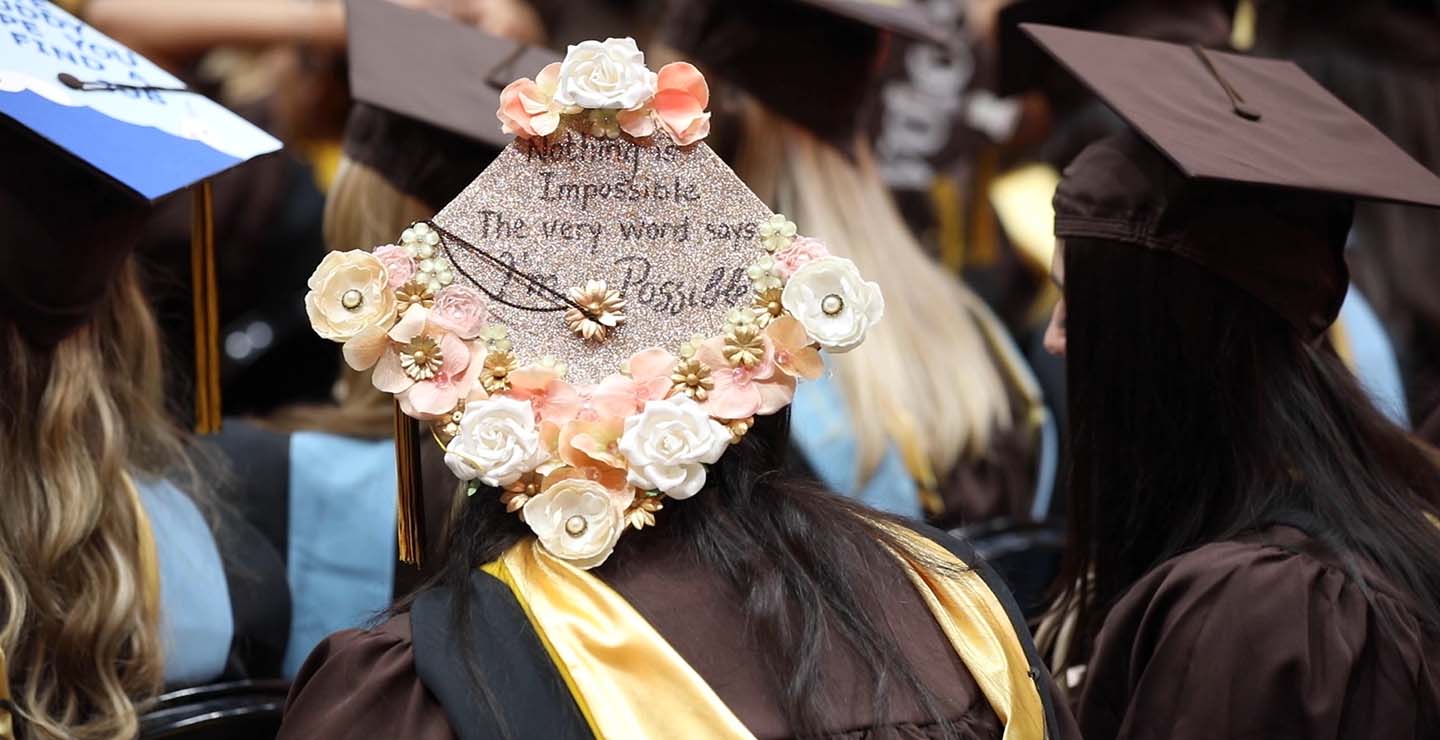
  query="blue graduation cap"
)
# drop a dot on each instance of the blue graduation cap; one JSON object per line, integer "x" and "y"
{"x": 112, "y": 108}
{"x": 91, "y": 134}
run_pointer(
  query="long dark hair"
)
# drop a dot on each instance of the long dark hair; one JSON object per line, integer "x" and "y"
{"x": 1196, "y": 414}
{"x": 804, "y": 563}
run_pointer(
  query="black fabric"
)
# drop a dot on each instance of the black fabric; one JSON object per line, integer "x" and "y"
{"x": 1284, "y": 247}
{"x": 806, "y": 63}
{"x": 258, "y": 478}
{"x": 259, "y": 600}
{"x": 516, "y": 671}
{"x": 65, "y": 230}
{"x": 252, "y": 533}
{"x": 425, "y": 161}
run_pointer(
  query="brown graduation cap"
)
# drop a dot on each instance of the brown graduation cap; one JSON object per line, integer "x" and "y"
{"x": 808, "y": 60}
{"x": 1245, "y": 165}
{"x": 426, "y": 89}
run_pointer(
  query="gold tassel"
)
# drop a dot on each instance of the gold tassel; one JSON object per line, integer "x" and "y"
{"x": 410, "y": 504}
{"x": 7, "y": 721}
{"x": 207, "y": 310}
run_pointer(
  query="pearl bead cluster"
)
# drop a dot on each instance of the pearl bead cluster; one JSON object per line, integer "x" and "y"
{"x": 432, "y": 270}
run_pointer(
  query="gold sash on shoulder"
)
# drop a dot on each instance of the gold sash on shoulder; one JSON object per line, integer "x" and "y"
{"x": 630, "y": 683}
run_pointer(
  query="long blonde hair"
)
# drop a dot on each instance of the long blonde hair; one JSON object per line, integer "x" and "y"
{"x": 362, "y": 210}
{"x": 80, "y": 613}
{"x": 927, "y": 378}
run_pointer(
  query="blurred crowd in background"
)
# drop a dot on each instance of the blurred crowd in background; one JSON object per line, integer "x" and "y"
{"x": 927, "y": 155}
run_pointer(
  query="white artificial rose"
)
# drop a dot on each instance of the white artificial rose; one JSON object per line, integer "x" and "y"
{"x": 834, "y": 304}
{"x": 668, "y": 445}
{"x": 605, "y": 75}
{"x": 577, "y": 520}
{"x": 349, "y": 292}
{"x": 497, "y": 442}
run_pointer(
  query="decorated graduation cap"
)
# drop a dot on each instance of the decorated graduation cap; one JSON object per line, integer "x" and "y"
{"x": 1244, "y": 165}
{"x": 93, "y": 135}
{"x": 425, "y": 122}
{"x": 809, "y": 60}
{"x": 600, "y": 314}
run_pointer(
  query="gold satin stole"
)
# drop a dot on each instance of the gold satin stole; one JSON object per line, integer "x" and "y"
{"x": 630, "y": 683}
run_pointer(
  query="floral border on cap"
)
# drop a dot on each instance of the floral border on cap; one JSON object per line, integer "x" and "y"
{"x": 583, "y": 463}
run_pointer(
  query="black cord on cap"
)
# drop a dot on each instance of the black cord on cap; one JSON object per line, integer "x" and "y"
{"x": 530, "y": 281}
{"x": 75, "y": 83}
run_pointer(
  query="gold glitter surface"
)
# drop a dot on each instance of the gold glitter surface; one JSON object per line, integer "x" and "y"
{"x": 670, "y": 227}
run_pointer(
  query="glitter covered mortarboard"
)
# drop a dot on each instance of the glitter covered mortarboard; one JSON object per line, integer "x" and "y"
{"x": 602, "y": 312}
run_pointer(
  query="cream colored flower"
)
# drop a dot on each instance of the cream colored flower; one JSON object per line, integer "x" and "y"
{"x": 668, "y": 445}
{"x": 422, "y": 244}
{"x": 833, "y": 302}
{"x": 578, "y": 520}
{"x": 777, "y": 232}
{"x": 498, "y": 442}
{"x": 349, "y": 292}
{"x": 609, "y": 74}
{"x": 764, "y": 274}
{"x": 604, "y": 124}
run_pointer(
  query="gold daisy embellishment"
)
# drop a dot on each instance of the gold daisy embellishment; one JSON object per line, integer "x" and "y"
{"x": 641, "y": 513}
{"x": 422, "y": 358}
{"x": 495, "y": 373}
{"x": 692, "y": 378}
{"x": 518, "y": 493}
{"x": 413, "y": 293}
{"x": 767, "y": 307}
{"x": 599, "y": 311}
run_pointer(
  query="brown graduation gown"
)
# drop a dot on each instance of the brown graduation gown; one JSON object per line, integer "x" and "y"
{"x": 1261, "y": 637}
{"x": 363, "y": 683}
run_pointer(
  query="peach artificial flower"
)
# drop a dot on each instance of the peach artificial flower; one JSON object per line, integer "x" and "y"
{"x": 592, "y": 444}
{"x": 349, "y": 295}
{"x": 553, "y": 399}
{"x": 646, "y": 378}
{"x": 528, "y": 107}
{"x": 742, "y": 392}
{"x": 679, "y": 103}
{"x": 795, "y": 353}
{"x": 427, "y": 368}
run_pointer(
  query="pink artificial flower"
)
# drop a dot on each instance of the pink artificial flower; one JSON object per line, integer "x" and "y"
{"x": 528, "y": 107}
{"x": 648, "y": 379}
{"x": 553, "y": 399}
{"x": 460, "y": 310}
{"x": 801, "y": 251}
{"x": 432, "y": 397}
{"x": 742, "y": 392}
{"x": 680, "y": 99}
{"x": 399, "y": 267}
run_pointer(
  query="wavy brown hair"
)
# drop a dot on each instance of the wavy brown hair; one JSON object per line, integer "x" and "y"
{"x": 79, "y": 613}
